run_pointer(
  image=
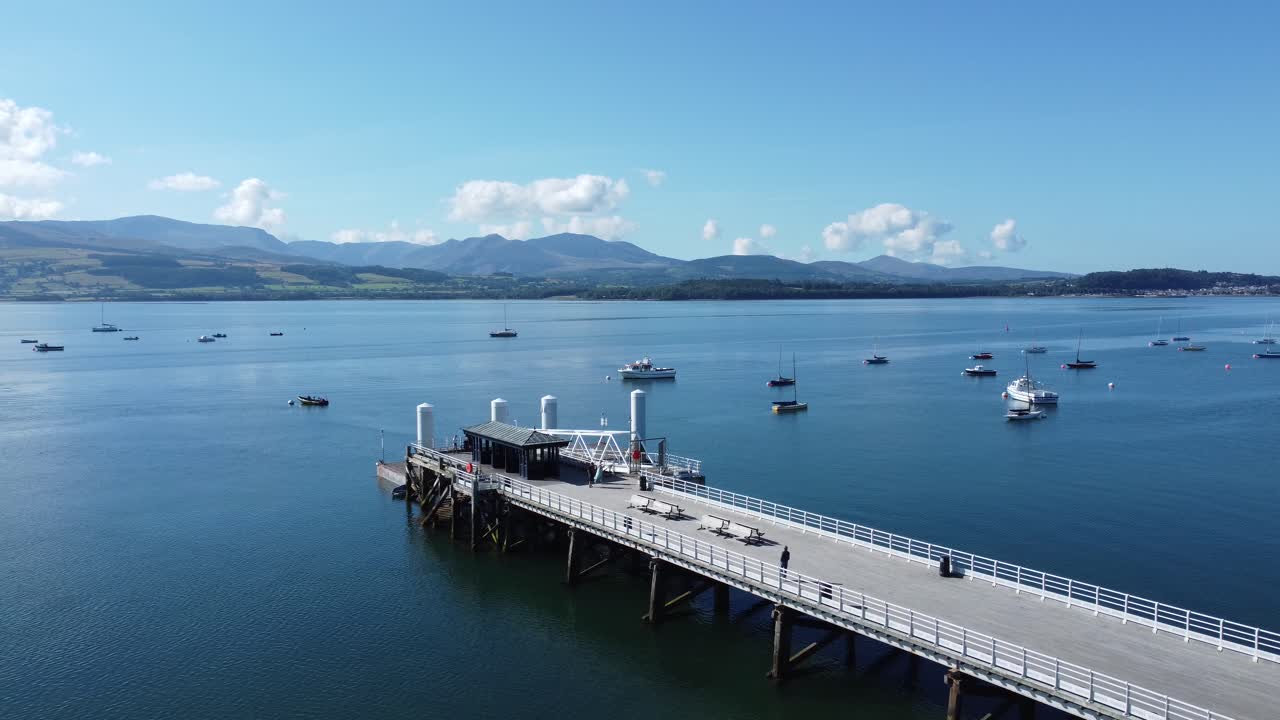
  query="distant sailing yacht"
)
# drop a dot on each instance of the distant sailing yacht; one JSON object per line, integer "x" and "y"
{"x": 1266, "y": 338}
{"x": 104, "y": 326}
{"x": 794, "y": 404}
{"x": 1081, "y": 364}
{"x": 505, "y": 331}
{"x": 1034, "y": 349}
{"x": 1180, "y": 337}
{"x": 1158, "y": 341}
{"x": 781, "y": 380}
{"x": 876, "y": 359}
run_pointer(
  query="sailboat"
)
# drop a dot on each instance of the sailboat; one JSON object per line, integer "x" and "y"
{"x": 1034, "y": 349}
{"x": 781, "y": 380}
{"x": 1266, "y": 338}
{"x": 1180, "y": 337}
{"x": 103, "y": 325}
{"x": 1158, "y": 341}
{"x": 505, "y": 331}
{"x": 794, "y": 404}
{"x": 876, "y": 358}
{"x": 1081, "y": 364}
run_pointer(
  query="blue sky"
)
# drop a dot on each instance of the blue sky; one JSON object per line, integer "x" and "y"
{"x": 1113, "y": 135}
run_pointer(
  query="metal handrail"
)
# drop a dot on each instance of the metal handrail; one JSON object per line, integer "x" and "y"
{"x": 1055, "y": 675}
{"x": 1188, "y": 624}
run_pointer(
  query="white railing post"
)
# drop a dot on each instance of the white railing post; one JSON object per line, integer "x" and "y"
{"x": 1097, "y": 598}
{"x": 1057, "y": 672}
{"x": 1256, "y": 644}
{"x": 1024, "y": 661}
{"x": 1186, "y": 636}
{"x": 1125, "y": 618}
{"x": 1221, "y": 631}
{"x": 1155, "y": 619}
{"x": 1128, "y": 704}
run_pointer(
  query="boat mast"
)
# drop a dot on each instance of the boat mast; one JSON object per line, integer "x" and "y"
{"x": 795, "y": 389}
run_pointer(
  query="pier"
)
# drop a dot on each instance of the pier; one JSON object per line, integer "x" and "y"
{"x": 1036, "y": 637}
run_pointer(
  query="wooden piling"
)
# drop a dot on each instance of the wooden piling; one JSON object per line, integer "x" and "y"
{"x": 655, "y": 591}
{"x": 782, "y": 619}
{"x": 953, "y": 679}
{"x": 571, "y": 564}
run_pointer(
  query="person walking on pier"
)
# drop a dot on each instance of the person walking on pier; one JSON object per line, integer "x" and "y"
{"x": 786, "y": 558}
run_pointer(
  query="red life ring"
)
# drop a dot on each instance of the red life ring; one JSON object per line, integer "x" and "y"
{"x": 635, "y": 454}
{"x": 470, "y": 467}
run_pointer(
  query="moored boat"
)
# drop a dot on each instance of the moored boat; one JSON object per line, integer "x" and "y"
{"x": 314, "y": 400}
{"x": 794, "y": 404}
{"x": 131, "y": 337}
{"x": 876, "y": 358}
{"x": 1035, "y": 350}
{"x": 1268, "y": 355}
{"x": 1027, "y": 390}
{"x": 276, "y": 334}
{"x": 984, "y": 355}
{"x": 1020, "y": 414}
{"x": 219, "y": 335}
{"x": 979, "y": 371}
{"x": 1191, "y": 348}
{"x": 789, "y": 406}
{"x": 505, "y": 332}
{"x": 781, "y": 380}
{"x": 1158, "y": 341}
{"x": 103, "y": 325}
{"x": 644, "y": 369}
{"x": 1079, "y": 364}
{"x": 28, "y": 342}
{"x": 204, "y": 339}
{"x": 46, "y": 347}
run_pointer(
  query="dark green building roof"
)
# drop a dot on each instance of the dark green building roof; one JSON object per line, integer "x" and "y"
{"x": 514, "y": 436}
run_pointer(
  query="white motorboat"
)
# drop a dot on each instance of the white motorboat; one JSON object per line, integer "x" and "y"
{"x": 1027, "y": 390}
{"x": 644, "y": 369}
{"x": 205, "y": 339}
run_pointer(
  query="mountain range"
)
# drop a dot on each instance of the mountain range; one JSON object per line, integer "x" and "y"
{"x": 565, "y": 255}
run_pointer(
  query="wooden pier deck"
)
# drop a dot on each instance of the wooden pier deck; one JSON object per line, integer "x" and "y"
{"x": 1205, "y": 681}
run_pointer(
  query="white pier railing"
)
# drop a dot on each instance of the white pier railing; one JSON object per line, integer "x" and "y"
{"x": 1061, "y": 679}
{"x": 601, "y": 447}
{"x": 1160, "y": 617}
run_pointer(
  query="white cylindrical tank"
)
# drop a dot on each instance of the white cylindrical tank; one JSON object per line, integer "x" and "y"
{"x": 550, "y": 412}
{"x": 498, "y": 410}
{"x": 638, "y": 431}
{"x": 426, "y": 425}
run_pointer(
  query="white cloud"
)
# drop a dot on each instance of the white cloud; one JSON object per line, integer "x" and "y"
{"x": 393, "y": 233}
{"x": 747, "y": 246}
{"x": 20, "y": 209}
{"x": 1005, "y": 236}
{"x": 654, "y": 177}
{"x": 519, "y": 230}
{"x": 26, "y": 134}
{"x": 710, "y": 230}
{"x": 613, "y": 227}
{"x": 248, "y": 206}
{"x": 492, "y": 200}
{"x": 184, "y": 182}
{"x": 904, "y": 232}
{"x": 946, "y": 252}
{"x": 767, "y": 231}
{"x": 806, "y": 254}
{"x": 89, "y": 159}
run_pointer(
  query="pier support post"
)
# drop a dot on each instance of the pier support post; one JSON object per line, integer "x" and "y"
{"x": 721, "y": 600}
{"x": 475, "y": 519}
{"x": 1026, "y": 708}
{"x": 453, "y": 513}
{"x": 782, "y": 620}
{"x": 851, "y": 650}
{"x": 655, "y": 591}
{"x": 571, "y": 565}
{"x": 954, "y": 679}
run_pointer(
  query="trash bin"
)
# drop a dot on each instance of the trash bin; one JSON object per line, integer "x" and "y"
{"x": 944, "y": 566}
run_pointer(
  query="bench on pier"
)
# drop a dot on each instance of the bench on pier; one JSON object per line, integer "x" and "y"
{"x": 654, "y": 506}
{"x": 728, "y": 528}
{"x": 714, "y": 524}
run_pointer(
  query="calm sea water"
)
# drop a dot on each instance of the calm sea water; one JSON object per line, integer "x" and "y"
{"x": 175, "y": 540}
